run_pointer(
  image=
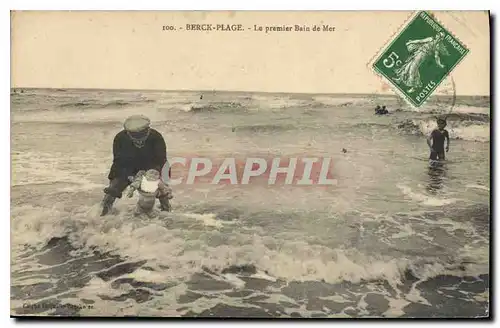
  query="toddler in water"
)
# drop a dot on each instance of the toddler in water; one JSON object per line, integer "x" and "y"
{"x": 436, "y": 140}
{"x": 149, "y": 185}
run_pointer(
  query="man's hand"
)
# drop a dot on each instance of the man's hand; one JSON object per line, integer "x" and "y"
{"x": 130, "y": 192}
{"x": 447, "y": 148}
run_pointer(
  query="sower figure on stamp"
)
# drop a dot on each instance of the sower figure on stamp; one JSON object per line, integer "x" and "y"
{"x": 420, "y": 50}
{"x": 136, "y": 148}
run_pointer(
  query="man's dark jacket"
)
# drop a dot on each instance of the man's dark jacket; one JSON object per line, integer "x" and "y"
{"x": 129, "y": 159}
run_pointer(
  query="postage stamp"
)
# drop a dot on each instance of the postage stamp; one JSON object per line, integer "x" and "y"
{"x": 419, "y": 58}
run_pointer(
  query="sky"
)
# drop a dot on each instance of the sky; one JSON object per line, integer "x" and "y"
{"x": 130, "y": 50}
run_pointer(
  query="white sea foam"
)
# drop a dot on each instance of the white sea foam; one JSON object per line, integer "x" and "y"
{"x": 476, "y": 186}
{"x": 425, "y": 199}
{"x": 151, "y": 241}
{"x": 457, "y": 130}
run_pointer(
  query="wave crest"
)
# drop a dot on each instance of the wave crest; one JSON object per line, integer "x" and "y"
{"x": 108, "y": 104}
{"x": 471, "y": 130}
{"x": 177, "y": 253}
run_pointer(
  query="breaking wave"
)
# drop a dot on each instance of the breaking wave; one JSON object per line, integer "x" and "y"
{"x": 469, "y": 129}
{"x": 216, "y": 107}
{"x": 109, "y": 104}
{"x": 325, "y": 101}
{"x": 165, "y": 244}
{"x": 258, "y": 128}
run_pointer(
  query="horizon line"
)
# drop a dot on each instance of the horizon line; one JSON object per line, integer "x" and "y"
{"x": 238, "y": 91}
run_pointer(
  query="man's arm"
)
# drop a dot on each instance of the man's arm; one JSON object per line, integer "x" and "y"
{"x": 447, "y": 136}
{"x": 117, "y": 151}
{"x": 419, "y": 41}
{"x": 120, "y": 159}
{"x": 438, "y": 59}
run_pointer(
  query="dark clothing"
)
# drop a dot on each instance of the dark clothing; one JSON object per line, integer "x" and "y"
{"x": 435, "y": 156}
{"x": 129, "y": 159}
{"x": 438, "y": 139}
{"x": 116, "y": 187}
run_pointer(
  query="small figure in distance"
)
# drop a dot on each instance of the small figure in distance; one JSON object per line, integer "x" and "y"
{"x": 381, "y": 111}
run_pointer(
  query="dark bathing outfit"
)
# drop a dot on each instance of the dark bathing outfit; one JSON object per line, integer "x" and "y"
{"x": 438, "y": 139}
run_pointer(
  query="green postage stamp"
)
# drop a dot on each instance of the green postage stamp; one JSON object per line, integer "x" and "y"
{"x": 420, "y": 57}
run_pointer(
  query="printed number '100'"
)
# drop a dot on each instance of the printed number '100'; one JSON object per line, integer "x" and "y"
{"x": 391, "y": 60}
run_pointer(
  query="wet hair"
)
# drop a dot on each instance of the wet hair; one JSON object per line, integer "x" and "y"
{"x": 441, "y": 120}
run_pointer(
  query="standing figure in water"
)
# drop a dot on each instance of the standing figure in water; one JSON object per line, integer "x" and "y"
{"x": 436, "y": 141}
{"x": 420, "y": 50}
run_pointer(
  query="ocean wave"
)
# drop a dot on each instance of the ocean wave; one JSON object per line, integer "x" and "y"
{"x": 468, "y": 117}
{"x": 340, "y": 102}
{"x": 445, "y": 109}
{"x": 108, "y": 104}
{"x": 265, "y": 127}
{"x": 279, "y": 102}
{"x": 260, "y": 103}
{"x": 372, "y": 124}
{"x": 476, "y": 186}
{"x": 425, "y": 200}
{"x": 175, "y": 252}
{"x": 471, "y": 130}
{"x": 118, "y": 103}
{"x": 216, "y": 107}
{"x": 78, "y": 104}
{"x": 485, "y": 110}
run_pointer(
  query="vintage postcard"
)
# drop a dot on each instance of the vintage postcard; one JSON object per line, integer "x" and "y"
{"x": 239, "y": 164}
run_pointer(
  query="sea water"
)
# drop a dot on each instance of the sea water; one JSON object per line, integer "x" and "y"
{"x": 392, "y": 238}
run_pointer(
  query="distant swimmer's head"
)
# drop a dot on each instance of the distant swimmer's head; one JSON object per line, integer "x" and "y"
{"x": 137, "y": 128}
{"x": 441, "y": 123}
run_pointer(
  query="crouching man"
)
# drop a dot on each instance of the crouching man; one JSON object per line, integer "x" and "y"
{"x": 136, "y": 148}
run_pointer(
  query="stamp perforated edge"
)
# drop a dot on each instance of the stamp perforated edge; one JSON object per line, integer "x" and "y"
{"x": 384, "y": 79}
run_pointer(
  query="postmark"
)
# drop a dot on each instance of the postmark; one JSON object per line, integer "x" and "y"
{"x": 419, "y": 58}
{"x": 447, "y": 97}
